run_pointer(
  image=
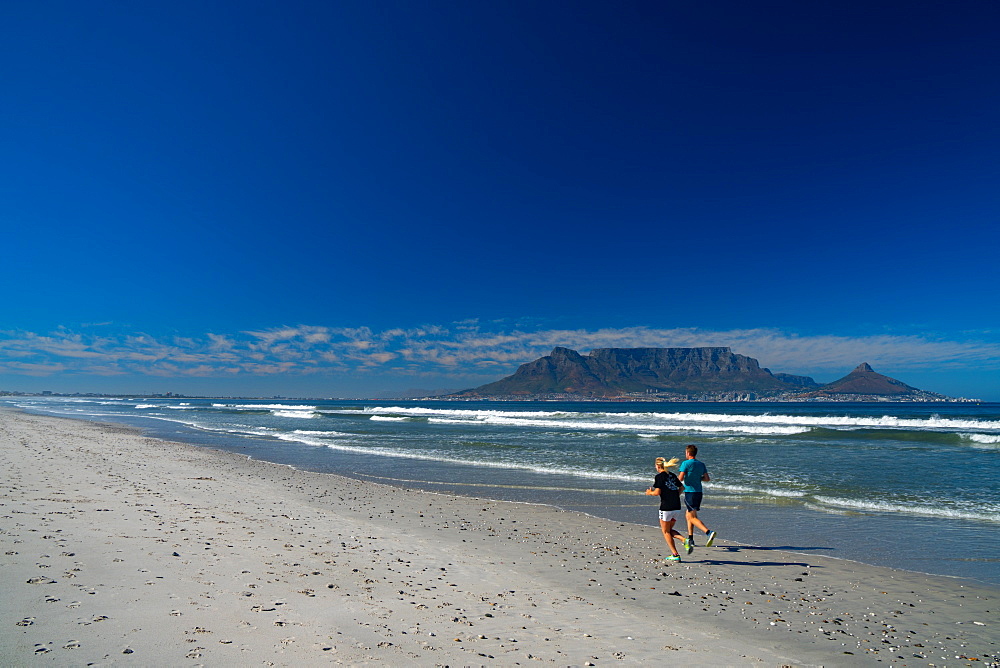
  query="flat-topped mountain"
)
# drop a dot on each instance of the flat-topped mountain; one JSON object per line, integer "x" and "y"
{"x": 613, "y": 372}
{"x": 711, "y": 373}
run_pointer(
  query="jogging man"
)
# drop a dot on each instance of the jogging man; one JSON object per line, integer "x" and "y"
{"x": 692, "y": 473}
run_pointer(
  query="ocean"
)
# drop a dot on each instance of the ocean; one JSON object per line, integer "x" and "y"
{"x": 911, "y": 486}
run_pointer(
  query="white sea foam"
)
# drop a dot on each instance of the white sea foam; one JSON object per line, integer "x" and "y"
{"x": 832, "y": 421}
{"x": 534, "y": 468}
{"x": 456, "y": 412}
{"x": 984, "y": 438}
{"x": 984, "y": 512}
{"x": 306, "y": 436}
{"x": 146, "y": 406}
{"x": 728, "y": 422}
{"x": 255, "y": 432}
{"x": 294, "y": 414}
{"x": 266, "y": 407}
{"x": 388, "y": 418}
{"x": 314, "y": 438}
{"x": 299, "y": 438}
{"x": 626, "y": 426}
{"x": 770, "y": 491}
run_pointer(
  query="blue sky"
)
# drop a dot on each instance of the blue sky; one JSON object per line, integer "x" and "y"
{"x": 337, "y": 199}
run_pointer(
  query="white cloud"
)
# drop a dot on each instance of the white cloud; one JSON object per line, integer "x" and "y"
{"x": 461, "y": 350}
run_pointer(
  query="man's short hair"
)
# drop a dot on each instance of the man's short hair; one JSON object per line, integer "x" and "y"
{"x": 691, "y": 450}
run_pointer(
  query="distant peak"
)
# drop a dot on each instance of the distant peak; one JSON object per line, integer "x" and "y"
{"x": 864, "y": 367}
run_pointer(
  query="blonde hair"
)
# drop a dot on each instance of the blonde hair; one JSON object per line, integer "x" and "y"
{"x": 664, "y": 464}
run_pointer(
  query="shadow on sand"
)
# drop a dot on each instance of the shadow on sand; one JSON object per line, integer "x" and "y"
{"x": 790, "y": 548}
{"x": 733, "y": 549}
{"x": 724, "y": 562}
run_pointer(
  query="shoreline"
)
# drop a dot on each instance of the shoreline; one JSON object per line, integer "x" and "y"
{"x": 741, "y": 509}
{"x": 122, "y": 548}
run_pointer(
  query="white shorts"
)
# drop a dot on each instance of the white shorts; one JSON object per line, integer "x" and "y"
{"x": 667, "y": 515}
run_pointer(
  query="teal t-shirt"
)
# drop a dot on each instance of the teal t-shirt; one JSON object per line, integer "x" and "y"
{"x": 693, "y": 472}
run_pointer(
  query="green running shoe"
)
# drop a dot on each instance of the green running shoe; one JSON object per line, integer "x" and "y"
{"x": 711, "y": 539}
{"x": 689, "y": 545}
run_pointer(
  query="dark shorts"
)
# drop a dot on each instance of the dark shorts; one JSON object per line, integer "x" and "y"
{"x": 692, "y": 500}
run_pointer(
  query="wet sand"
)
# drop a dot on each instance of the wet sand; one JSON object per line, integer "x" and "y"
{"x": 117, "y": 548}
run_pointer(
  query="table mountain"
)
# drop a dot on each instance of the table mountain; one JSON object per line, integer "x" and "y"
{"x": 612, "y": 372}
{"x": 708, "y": 374}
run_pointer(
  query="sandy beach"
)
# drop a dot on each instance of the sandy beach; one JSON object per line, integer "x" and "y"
{"x": 122, "y": 549}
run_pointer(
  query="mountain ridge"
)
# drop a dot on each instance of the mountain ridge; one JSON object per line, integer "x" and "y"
{"x": 678, "y": 374}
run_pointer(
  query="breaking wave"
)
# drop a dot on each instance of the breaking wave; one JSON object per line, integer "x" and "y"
{"x": 294, "y": 414}
{"x": 985, "y": 512}
{"x": 699, "y": 422}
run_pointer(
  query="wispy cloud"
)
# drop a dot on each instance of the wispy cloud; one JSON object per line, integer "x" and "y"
{"x": 460, "y": 349}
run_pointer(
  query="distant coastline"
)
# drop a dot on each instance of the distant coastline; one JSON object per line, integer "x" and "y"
{"x": 835, "y": 399}
{"x": 572, "y": 398}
